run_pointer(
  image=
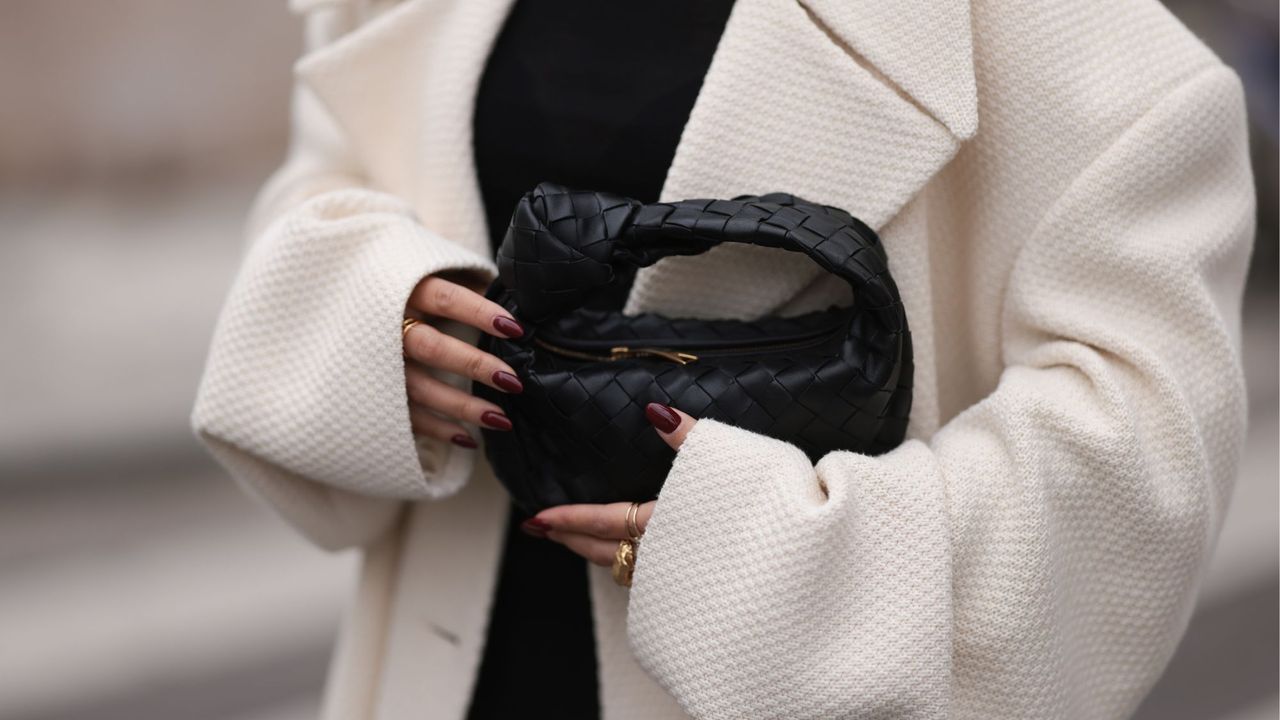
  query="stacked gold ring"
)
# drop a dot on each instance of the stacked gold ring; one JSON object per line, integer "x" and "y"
{"x": 407, "y": 325}
{"x": 633, "y": 530}
{"x": 624, "y": 558}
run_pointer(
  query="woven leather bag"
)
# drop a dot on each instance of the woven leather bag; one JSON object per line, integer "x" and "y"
{"x": 838, "y": 379}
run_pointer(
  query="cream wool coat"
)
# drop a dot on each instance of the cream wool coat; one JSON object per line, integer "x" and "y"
{"x": 1065, "y": 197}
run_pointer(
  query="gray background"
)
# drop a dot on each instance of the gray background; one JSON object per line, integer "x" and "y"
{"x": 136, "y": 581}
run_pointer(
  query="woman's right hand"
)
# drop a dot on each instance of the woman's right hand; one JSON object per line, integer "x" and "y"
{"x": 435, "y": 407}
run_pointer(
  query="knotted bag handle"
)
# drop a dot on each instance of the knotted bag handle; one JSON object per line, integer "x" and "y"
{"x": 563, "y": 245}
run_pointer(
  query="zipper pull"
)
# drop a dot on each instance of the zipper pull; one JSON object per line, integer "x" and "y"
{"x": 680, "y": 358}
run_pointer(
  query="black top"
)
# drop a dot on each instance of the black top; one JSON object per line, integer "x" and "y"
{"x": 591, "y": 95}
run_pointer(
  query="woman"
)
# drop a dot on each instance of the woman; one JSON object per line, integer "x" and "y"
{"x": 1066, "y": 202}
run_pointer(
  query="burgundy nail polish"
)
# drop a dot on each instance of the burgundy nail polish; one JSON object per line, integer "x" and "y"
{"x": 535, "y": 527}
{"x": 538, "y": 524}
{"x": 506, "y": 381}
{"x": 495, "y": 420}
{"x": 662, "y": 417}
{"x": 508, "y": 327}
{"x": 463, "y": 441}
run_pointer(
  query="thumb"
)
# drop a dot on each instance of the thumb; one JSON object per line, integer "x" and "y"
{"x": 671, "y": 424}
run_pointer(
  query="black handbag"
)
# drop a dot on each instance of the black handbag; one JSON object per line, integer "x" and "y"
{"x": 837, "y": 379}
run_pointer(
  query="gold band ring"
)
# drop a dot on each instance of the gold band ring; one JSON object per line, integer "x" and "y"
{"x": 407, "y": 325}
{"x": 633, "y": 529}
{"x": 624, "y": 562}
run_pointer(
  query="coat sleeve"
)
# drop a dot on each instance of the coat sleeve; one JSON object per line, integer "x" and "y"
{"x": 303, "y": 395}
{"x": 1037, "y": 557}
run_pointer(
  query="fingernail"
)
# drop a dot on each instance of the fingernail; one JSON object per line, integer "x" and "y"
{"x": 508, "y": 327}
{"x": 506, "y": 381}
{"x": 535, "y": 527}
{"x": 662, "y": 417}
{"x": 463, "y": 441}
{"x": 495, "y": 420}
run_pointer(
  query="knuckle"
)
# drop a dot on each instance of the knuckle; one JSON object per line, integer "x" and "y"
{"x": 426, "y": 343}
{"x": 443, "y": 295}
{"x": 421, "y": 297}
{"x": 465, "y": 407}
{"x": 476, "y": 363}
{"x": 474, "y": 408}
{"x": 599, "y": 526}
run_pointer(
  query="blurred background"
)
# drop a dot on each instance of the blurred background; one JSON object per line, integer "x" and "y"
{"x": 136, "y": 581}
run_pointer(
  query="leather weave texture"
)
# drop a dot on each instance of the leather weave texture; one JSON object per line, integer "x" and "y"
{"x": 837, "y": 379}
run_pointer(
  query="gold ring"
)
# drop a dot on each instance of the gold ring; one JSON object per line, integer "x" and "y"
{"x": 407, "y": 325}
{"x": 624, "y": 562}
{"x": 633, "y": 529}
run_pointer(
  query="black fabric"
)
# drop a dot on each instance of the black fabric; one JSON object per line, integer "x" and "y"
{"x": 589, "y": 94}
{"x": 539, "y": 659}
{"x": 838, "y": 379}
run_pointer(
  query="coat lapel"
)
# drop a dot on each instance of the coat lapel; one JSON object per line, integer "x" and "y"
{"x": 791, "y": 103}
{"x": 403, "y": 88}
{"x": 923, "y": 47}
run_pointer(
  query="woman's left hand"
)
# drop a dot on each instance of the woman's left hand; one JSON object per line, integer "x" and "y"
{"x": 593, "y": 531}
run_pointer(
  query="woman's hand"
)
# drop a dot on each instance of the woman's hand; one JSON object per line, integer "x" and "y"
{"x": 593, "y": 531}
{"x": 435, "y": 407}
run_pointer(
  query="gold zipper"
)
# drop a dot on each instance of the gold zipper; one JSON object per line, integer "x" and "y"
{"x": 622, "y": 352}
{"x": 682, "y": 358}
{"x": 675, "y": 356}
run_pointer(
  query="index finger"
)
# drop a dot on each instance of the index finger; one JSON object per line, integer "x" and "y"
{"x": 672, "y": 425}
{"x": 437, "y": 297}
{"x": 602, "y": 521}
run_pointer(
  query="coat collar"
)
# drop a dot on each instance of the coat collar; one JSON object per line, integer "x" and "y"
{"x": 854, "y": 104}
{"x": 924, "y": 47}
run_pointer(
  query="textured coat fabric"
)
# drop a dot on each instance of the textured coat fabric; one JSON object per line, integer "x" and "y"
{"x": 1064, "y": 193}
